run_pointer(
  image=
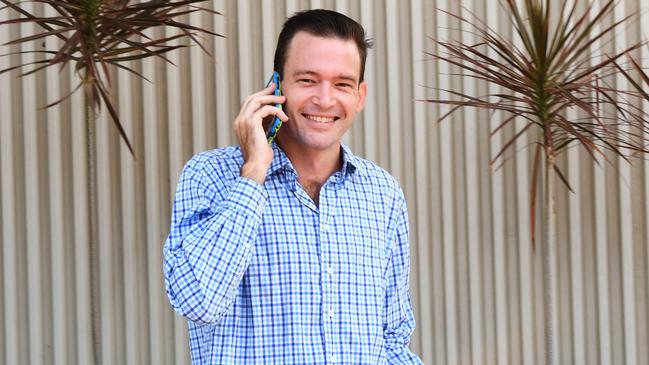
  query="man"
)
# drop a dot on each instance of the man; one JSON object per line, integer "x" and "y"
{"x": 295, "y": 252}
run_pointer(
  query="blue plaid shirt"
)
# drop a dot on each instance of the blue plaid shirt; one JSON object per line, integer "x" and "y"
{"x": 265, "y": 276}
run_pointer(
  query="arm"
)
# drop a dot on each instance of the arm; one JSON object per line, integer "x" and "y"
{"x": 211, "y": 240}
{"x": 399, "y": 321}
{"x": 215, "y": 219}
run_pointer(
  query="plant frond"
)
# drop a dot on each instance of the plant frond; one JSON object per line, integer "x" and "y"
{"x": 97, "y": 34}
{"x": 549, "y": 68}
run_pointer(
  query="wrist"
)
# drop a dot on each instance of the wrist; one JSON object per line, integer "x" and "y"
{"x": 254, "y": 171}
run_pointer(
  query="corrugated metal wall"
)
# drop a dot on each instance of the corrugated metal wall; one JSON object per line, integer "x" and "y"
{"x": 477, "y": 284}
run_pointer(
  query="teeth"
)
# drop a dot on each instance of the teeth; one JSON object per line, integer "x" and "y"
{"x": 320, "y": 119}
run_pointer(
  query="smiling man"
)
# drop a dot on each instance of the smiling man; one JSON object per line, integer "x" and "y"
{"x": 295, "y": 252}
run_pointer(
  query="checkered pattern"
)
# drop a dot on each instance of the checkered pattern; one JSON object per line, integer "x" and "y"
{"x": 267, "y": 277}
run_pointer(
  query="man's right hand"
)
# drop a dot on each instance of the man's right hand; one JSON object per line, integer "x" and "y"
{"x": 248, "y": 126}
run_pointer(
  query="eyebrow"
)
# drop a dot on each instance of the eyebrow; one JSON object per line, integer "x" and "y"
{"x": 312, "y": 73}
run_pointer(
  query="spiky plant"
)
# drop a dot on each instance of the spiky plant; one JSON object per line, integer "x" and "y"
{"x": 96, "y": 34}
{"x": 548, "y": 69}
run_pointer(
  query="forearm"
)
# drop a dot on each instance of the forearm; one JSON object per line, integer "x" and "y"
{"x": 399, "y": 318}
{"x": 402, "y": 356}
{"x": 397, "y": 337}
{"x": 209, "y": 250}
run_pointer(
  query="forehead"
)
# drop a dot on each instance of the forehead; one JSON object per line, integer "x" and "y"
{"x": 312, "y": 53}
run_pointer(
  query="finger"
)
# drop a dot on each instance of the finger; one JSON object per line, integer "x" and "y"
{"x": 268, "y": 89}
{"x": 270, "y": 99}
{"x": 265, "y": 91}
{"x": 251, "y": 116}
{"x": 260, "y": 101}
{"x": 267, "y": 110}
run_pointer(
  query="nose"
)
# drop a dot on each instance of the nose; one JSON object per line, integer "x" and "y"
{"x": 324, "y": 96}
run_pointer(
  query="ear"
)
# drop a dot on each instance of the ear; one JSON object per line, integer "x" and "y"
{"x": 362, "y": 93}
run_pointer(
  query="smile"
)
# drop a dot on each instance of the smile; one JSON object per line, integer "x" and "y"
{"x": 320, "y": 118}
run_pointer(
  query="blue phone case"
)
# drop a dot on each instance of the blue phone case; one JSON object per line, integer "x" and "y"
{"x": 277, "y": 123}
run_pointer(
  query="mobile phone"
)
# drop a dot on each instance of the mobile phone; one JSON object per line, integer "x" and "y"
{"x": 277, "y": 123}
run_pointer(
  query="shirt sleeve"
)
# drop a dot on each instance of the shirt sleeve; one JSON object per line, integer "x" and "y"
{"x": 399, "y": 319}
{"x": 211, "y": 240}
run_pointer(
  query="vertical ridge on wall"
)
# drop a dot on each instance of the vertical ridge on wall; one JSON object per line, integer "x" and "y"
{"x": 350, "y": 137}
{"x": 420, "y": 252}
{"x": 178, "y": 130}
{"x": 448, "y": 228}
{"x": 198, "y": 95}
{"x": 10, "y": 338}
{"x": 244, "y": 23}
{"x": 268, "y": 37}
{"x": 393, "y": 45}
{"x": 501, "y": 355}
{"x": 601, "y": 235}
{"x": 185, "y": 105}
{"x": 369, "y": 112}
{"x": 152, "y": 97}
{"x": 134, "y": 333}
{"x": 626, "y": 222}
{"x": 528, "y": 341}
{"x": 33, "y": 197}
{"x": 473, "y": 240}
{"x": 433, "y": 223}
{"x": 224, "y": 85}
{"x": 382, "y": 103}
{"x": 407, "y": 125}
{"x": 576, "y": 255}
{"x": 576, "y": 250}
{"x": 59, "y": 239}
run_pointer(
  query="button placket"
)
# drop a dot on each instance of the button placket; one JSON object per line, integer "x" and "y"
{"x": 327, "y": 259}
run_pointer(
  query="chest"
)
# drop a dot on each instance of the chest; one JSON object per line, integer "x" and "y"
{"x": 341, "y": 242}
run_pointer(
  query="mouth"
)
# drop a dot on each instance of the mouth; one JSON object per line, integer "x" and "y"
{"x": 324, "y": 119}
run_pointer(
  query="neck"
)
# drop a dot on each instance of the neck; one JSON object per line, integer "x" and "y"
{"x": 314, "y": 166}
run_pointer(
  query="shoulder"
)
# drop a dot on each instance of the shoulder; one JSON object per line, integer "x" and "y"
{"x": 220, "y": 160}
{"x": 213, "y": 169}
{"x": 378, "y": 177}
{"x": 381, "y": 195}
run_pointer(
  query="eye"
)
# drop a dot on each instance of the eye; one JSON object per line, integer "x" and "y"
{"x": 305, "y": 81}
{"x": 344, "y": 85}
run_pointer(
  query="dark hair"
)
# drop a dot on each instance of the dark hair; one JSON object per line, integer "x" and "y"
{"x": 323, "y": 23}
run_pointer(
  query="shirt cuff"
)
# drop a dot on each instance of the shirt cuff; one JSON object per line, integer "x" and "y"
{"x": 248, "y": 197}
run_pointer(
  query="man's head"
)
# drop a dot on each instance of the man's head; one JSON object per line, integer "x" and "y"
{"x": 321, "y": 23}
{"x": 320, "y": 58}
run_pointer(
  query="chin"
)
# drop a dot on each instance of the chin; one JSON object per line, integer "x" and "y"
{"x": 316, "y": 143}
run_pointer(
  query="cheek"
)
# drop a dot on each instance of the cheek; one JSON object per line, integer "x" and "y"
{"x": 353, "y": 104}
{"x": 293, "y": 102}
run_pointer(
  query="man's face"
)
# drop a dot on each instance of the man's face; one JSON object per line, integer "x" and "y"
{"x": 322, "y": 89}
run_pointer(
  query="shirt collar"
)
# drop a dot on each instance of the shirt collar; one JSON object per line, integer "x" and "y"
{"x": 351, "y": 163}
{"x": 280, "y": 161}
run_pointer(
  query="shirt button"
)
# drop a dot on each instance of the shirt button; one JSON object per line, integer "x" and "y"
{"x": 332, "y": 358}
{"x": 325, "y": 227}
{"x": 330, "y": 270}
{"x": 331, "y": 313}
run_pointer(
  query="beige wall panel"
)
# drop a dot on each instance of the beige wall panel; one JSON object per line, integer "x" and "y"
{"x": 476, "y": 283}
